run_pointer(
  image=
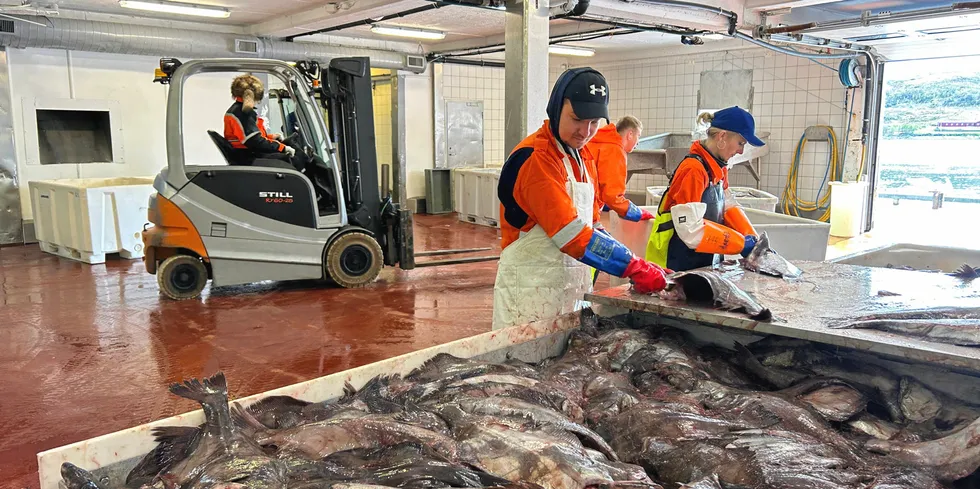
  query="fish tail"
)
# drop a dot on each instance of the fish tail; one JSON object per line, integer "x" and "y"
{"x": 246, "y": 422}
{"x": 211, "y": 389}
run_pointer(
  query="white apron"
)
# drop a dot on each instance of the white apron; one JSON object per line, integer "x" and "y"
{"x": 535, "y": 280}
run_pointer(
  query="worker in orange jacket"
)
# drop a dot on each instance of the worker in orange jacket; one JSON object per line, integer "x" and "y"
{"x": 609, "y": 147}
{"x": 698, "y": 218}
{"x": 547, "y": 193}
{"x": 245, "y": 130}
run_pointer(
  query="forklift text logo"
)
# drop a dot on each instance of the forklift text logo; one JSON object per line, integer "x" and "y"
{"x": 276, "y": 197}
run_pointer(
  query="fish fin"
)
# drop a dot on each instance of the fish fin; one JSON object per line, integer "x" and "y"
{"x": 349, "y": 393}
{"x": 243, "y": 419}
{"x": 211, "y": 389}
{"x": 273, "y": 402}
{"x": 764, "y": 315}
{"x": 174, "y": 443}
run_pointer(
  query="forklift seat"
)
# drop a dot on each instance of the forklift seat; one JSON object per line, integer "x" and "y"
{"x": 235, "y": 157}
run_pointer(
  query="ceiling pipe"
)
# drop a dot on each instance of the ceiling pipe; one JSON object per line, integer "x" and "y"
{"x": 728, "y": 14}
{"x": 497, "y": 48}
{"x": 792, "y": 52}
{"x": 866, "y": 19}
{"x": 361, "y": 22}
{"x": 116, "y": 38}
{"x": 470, "y": 62}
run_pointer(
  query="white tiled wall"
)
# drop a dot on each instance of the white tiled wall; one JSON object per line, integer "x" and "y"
{"x": 486, "y": 84}
{"x": 790, "y": 94}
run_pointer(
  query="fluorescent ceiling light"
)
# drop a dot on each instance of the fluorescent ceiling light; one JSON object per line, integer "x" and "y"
{"x": 570, "y": 50}
{"x": 176, "y": 8}
{"x": 714, "y": 36}
{"x": 390, "y": 30}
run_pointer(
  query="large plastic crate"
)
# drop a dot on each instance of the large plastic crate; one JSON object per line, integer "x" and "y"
{"x": 919, "y": 257}
{"x": 475, "y": 195}
{"x": 84, "y": 219}
{"x": 746, "y": 196}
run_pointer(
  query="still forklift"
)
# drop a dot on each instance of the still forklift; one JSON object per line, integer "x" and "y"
{"x": 262, "y": 220}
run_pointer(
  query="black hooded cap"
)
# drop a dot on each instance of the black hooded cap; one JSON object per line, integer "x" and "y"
{"x": 587, "y": 91}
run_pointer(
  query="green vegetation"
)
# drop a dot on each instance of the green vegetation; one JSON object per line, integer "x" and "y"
{"x": 914, "y": 106}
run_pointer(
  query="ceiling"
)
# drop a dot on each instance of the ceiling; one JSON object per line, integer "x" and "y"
{"x": 471, "y": 27}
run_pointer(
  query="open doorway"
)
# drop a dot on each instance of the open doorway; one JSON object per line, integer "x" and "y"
{"x": 928, "y": 168}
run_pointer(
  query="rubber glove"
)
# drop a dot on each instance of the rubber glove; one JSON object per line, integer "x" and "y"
{"x": 289, "y": 150}
{"x": 646, "y": 277}
{"x": 749, "y": 246}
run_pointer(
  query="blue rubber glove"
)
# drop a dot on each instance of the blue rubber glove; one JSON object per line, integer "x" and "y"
{"x": 633, "y": 213}
{"x": 749, "y": 246}
{"x": 606, "y": 254}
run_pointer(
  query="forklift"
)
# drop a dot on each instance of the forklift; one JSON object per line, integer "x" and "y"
{"x": 261, "y": 220}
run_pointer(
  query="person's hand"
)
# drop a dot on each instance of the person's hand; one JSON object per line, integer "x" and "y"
{"x": 749, "y": 245}
{"x": 277, "y": 137}
{"x": 645, "y": 215}
{"x": 646, "y": 277}
{"x": 289, "y": 150}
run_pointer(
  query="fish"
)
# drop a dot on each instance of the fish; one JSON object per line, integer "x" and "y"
{"x": 792, "y": 459}
{"x": 959, "y": 331}
{"x": 174, "y": 444}
{"x": 831, "y": 398}
{"x": 278, "y": 412}
{"x": 502, "y": 406}
{"x": 322, "y": 438}
{"x": 918, "y": 403}
{"x": 444, "y": 365}
{"x": 709, "y": 287}
{"x": 75, "y": 477}
{"x": 870, "y": 425}
{"x": 223, "y": 453}
{"x": 539, "y": 457}
{"x": 966, "y": 272}
{"x": 949, "y": 458}
{"x": 772, "y": 376}
{"x": 609, "y": 394}
{"x": 709, "y": 482}
{"x": 763, "y": 259}
{"x": 677, "y": 462}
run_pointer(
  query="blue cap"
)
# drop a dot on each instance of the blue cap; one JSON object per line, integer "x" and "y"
{"x": 739, "y": 121}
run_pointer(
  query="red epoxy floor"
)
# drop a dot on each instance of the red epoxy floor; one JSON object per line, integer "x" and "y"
{"x": 90, "y": 349}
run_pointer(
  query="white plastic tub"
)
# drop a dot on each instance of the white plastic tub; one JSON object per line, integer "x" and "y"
{"x": 794, "y": 238}
{"x": 475, "y": 195}
{"x": 748, "y": 197}
{"x": 84, "y": 219}
{"x": 919, "y": 257}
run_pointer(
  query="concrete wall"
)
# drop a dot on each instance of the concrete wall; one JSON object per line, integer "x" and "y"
{"x": 420, "y": 144}
{"x": 59, "y": 79}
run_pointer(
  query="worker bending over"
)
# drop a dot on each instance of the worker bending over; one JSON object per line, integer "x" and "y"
{"x": 609, "y": 147}
{"x": 698, "y": 217}
{"x": 246, "y": 131}
{"x": 547, "y": 193}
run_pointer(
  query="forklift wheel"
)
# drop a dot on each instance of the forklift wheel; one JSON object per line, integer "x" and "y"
{"x": 182, "y": 277}
{"x": 354, "y": 260}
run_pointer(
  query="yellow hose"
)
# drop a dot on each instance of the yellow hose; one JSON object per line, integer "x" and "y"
{"x": 792, "y": 203}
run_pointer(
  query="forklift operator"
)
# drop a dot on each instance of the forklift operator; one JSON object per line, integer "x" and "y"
{"x": 246, "y": 131}
{"x": 547, "y": 192}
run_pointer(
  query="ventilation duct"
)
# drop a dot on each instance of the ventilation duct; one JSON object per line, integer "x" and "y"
{"x": 115, "y": 38}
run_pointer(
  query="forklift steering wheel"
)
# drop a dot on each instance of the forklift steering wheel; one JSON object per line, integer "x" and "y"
{"x": 291, "y": 139}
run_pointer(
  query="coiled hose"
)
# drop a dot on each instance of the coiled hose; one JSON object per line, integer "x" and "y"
{"x": 792, "y": 203}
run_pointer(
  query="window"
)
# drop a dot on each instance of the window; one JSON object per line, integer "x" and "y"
{"x": 73, "y": 136}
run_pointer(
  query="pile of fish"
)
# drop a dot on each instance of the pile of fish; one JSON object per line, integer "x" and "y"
{"x": 621, "y": 409}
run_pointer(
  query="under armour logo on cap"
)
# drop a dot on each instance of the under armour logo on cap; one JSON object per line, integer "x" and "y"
{"x": 601, "y": 89}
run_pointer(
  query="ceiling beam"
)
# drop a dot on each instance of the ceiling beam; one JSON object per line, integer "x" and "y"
{"x": 499, "y": 39}
{"x": 330, "y": 14}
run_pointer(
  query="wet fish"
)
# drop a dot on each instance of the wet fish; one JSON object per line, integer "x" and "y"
{"x": 75, "y": 477}
{"x": 918, "y": 403}
{"x": 444, "y": 366}
{"x": 709, "y": 482}
{"x": 174, "y": 444}
{"x": 278, "y": 412}
{"x": 763, "y": 259}
{"x": 709, "y": 287}
{"x": 961, "y": 332}
{"x": 831, "y": 398}
{"x": 792, "y": 459}
{"x": 322, "y": 438}
{"x": 773, "y": 376}
{"x": 966, "y": 272}
{"x": 609, "y": 394}
{"x": 539, "y": 457}
{"x": 950, "y": 458}
{"x": 502, "y": 406}
{"x": 874, "y": 427}
{"x": 224, "y": 453}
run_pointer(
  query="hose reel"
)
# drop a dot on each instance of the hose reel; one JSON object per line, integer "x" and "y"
{"x": 850, "y": 73}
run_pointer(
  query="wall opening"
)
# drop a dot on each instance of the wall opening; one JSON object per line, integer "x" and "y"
{"x": 74, "y": 136}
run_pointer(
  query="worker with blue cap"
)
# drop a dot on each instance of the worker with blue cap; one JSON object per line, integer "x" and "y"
{"x": 698, "y": 218}
{"x": 549, "y": 232}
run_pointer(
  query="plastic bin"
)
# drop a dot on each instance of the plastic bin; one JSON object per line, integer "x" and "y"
{"x": 747, "y": 196}
{"x": 634, "y": 235}
{"x": 847, "y": 208}
{"x": 919, "y": 257}
{"x": 475, "y": 195}
{"x": 795, "y": 238}
{"x": 84, "y": 219}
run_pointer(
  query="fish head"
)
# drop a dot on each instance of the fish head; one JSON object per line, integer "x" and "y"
{"x": 763, "y": 259}
{"x": 75, "y": 477}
